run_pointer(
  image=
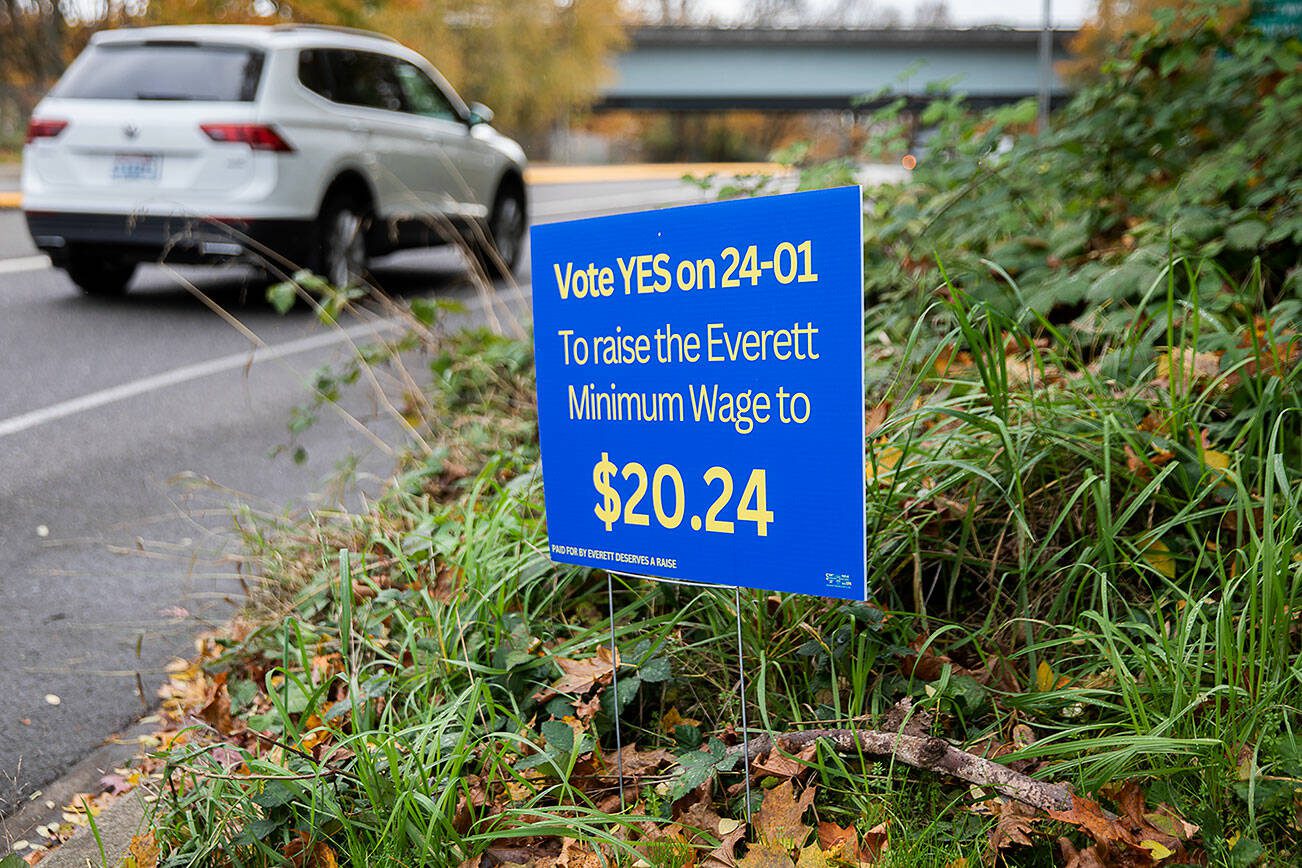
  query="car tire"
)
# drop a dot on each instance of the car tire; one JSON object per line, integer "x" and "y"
{"x": 341, "y": 252}
{"x": 502, "y": 241}
{"x": 99, "y": 276}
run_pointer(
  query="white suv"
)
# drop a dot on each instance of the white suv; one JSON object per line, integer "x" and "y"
{"x": 291, "y": 145}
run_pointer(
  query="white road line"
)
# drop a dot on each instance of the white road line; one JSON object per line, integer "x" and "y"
{"x": 235, "y": 361}
{"x": 24, "y": 263}
{"x": 186, "y": 373}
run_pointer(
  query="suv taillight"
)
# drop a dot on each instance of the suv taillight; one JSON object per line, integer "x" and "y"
{"x": 259, "y": 137}
{"x": 44, "y": 128}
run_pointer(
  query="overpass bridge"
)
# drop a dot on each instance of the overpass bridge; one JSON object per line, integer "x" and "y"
{"x": 708, "y": 68}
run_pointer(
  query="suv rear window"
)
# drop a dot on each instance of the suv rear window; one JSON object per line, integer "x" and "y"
{"x": 183, "y": 71}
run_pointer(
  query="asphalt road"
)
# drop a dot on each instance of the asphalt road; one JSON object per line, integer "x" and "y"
{"x": 128, "y": 430}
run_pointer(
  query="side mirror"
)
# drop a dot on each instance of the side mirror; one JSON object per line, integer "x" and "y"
{"x": 480, "y": 114}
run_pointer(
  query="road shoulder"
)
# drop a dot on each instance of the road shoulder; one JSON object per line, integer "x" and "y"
{"x": 84, "y": 777}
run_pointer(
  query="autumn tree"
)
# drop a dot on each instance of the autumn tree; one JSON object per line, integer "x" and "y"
{"x": 534, "y": 61}
{"x": 1116, "y": 22}
{"x": 32, "y": 37}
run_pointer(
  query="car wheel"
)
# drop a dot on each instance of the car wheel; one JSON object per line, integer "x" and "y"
{"x": 504, "y": 233}
{"x": 341, "y": 241}
{"x": 99, "y": 275}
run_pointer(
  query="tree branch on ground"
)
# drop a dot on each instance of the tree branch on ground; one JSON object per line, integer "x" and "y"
{"x": 924, "y": 752}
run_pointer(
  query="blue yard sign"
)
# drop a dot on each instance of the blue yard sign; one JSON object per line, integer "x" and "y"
{"x": 700, "y": 392}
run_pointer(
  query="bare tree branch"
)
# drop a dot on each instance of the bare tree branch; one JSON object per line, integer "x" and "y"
{"x": 922, "y": 752}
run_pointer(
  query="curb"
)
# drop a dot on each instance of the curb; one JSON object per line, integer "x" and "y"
{"x": 116, "y": 825}
{"x": 84, "y": 776}
{"x": 549, "y": 174}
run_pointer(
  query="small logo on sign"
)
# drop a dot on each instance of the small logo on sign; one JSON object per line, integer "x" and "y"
{"x": 836, "y": 580}
{"x": 131, "y": 131}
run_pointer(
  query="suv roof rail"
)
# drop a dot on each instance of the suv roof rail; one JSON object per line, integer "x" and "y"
{"x": 333, "y": 28}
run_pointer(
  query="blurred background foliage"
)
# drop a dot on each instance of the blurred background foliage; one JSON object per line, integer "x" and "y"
{"x": 541, "y": 63}
{"x": 533, "y": 61}
{"x": 1117, "y": 23}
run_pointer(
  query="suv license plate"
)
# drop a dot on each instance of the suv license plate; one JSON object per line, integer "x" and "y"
{"x": 137, "y": 167}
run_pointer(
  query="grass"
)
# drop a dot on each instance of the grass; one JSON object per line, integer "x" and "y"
{"x": 1085, "y": 560}
{"x": 1085, "y": 459}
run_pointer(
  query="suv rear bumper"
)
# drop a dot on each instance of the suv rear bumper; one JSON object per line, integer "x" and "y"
{"x": 145, "y": 238}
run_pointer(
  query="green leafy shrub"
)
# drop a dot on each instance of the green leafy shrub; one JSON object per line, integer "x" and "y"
{"x": 1185, "y": 147}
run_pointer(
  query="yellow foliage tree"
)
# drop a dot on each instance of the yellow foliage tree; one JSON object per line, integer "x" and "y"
{"x": 1115, "y": 22}
{"x": 31, "y": 35}
{"x": 536, "y": 62}
{"x": 533, "y": 61}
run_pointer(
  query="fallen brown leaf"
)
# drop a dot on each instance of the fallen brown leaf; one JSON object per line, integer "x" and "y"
{"x": 579, "y": 676}
{"x": 877, "y": 416}
{"x": 780, "y": 765}
{"x": 764, "y": 856}
{"x": 1142, "y": 466}
{"x": 1090, "y": 818}
{"x": 844, "y": 845}
{"x": 144, "y": 850}
{"x": 661, "y": 843}
{"x": 586, "y": 710}
{"x": 724, "y": 856}
{"x": 1023, "y": 736}
{"x": 217, "y": 710}
{"x": 812, "y": 857}
{"x": 831, "y": 836}
{"x": 447, "y": 580}
{"x": 927, "y": 665}
{"x": 324, "y": 667}
{"x": 901, "y": 717}
{"x": 576, "y": 854}
{"x": 544, "y": 852}
{"x": 323, "y": 856}
{"x": 1073, "y": 858}
{"x": 1014, "y": 823}
{"x": 1166, "y": 820}
{"x": 638, "y": 763}
{"x": 778, "y": 823}
{"x": 114, "y": 783}
{"x": 1187, "y": 365}
{"x": 700, "y": 815}
{"x": 673, "y": 719}
{"x": 873, "y": 843}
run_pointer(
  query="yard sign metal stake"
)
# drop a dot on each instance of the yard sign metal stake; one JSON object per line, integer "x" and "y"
{"x": 614, "y": 677}
{"x": 745, "y": 728}
{"x": 614, "y": 686}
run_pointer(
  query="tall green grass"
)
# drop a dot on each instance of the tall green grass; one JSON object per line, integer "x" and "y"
{"x": 1040, "y": 503}
{"x": 1085, "y": 375}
